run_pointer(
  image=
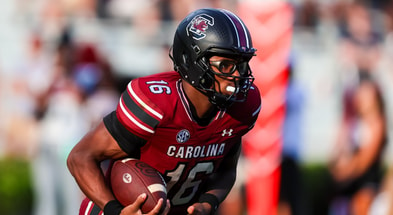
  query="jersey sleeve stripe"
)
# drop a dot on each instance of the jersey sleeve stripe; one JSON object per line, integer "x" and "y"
{"x": 143, "y": 104}
{"x": 132, "y": 119}
{"x": 139, "y": 112}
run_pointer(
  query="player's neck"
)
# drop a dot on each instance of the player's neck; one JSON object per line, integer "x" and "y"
{"x": 201, "y": 104}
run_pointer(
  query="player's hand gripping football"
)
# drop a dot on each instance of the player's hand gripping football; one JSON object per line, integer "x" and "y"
{"x": 135, "y": 208}
{"x": 199, "y": 209}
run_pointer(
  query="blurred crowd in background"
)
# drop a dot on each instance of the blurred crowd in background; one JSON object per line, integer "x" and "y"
{"x": 64, "y": 63}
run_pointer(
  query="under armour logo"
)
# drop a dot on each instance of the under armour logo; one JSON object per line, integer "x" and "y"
{"x": 225, "y": 132}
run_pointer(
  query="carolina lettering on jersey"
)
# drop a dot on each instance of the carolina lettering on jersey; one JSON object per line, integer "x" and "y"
{"x": 191, "y": 152}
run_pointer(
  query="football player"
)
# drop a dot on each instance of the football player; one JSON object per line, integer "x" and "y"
{"x": 188, "y": 123}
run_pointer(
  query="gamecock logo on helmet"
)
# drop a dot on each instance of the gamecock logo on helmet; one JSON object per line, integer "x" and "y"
{"x": 198, "y": 26}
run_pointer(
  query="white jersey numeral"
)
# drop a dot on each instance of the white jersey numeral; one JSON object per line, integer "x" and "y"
{"x": 191, "y": 184}
{"x": 159, "y": 87}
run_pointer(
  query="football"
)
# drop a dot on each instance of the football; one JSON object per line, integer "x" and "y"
{"x": 132, "y": 177}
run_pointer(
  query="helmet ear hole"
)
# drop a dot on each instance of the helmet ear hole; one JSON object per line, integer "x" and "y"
{"x": 196, "y": 49}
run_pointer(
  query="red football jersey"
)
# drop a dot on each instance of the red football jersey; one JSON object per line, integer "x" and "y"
{"x": 156, "y": 109}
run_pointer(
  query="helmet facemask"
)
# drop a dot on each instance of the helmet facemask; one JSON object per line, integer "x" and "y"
{"x": 210, "y": 86}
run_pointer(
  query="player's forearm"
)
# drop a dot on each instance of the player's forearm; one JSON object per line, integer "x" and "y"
{"x": 90, "y": 179}
{"x": 221, "y": 184}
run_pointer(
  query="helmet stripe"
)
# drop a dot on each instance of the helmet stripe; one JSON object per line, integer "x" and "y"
{"x": 240, "y": 29}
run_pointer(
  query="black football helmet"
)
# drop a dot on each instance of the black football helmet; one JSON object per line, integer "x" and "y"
{"x": 213, "y": 32}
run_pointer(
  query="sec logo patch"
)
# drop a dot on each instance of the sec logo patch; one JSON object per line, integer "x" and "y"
{"x": 183, "y": 136}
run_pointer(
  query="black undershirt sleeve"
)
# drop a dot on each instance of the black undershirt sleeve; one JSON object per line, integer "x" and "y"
{"x": 129, "y": 142}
